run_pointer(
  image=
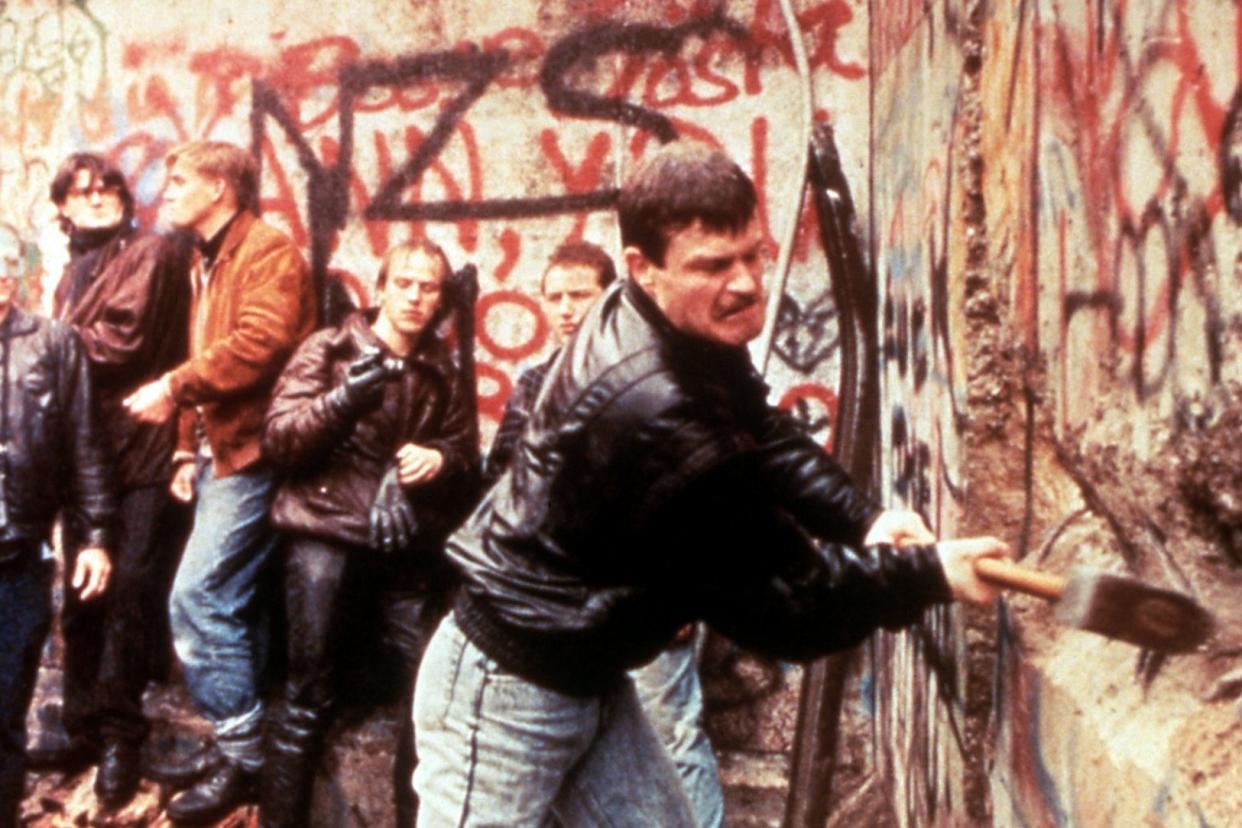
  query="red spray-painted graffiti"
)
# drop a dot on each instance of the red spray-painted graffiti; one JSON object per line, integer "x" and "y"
{"x": 353, "y": 143}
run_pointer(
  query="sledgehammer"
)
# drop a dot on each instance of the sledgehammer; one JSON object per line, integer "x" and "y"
{"x": 1110, "y": 605}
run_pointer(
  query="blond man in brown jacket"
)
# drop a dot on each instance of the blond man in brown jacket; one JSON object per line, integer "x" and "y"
{"x": 252, "y": 304}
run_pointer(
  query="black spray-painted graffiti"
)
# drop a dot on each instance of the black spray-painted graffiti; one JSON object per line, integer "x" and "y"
{"x": 912, "y": 457}
{"x": 805, "y": 337}
{"x": 1183, "y": 232}
{"x": 327, "y": 185}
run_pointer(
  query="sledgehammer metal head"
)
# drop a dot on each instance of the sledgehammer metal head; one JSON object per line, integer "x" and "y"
{"x": 1112, "y": 605}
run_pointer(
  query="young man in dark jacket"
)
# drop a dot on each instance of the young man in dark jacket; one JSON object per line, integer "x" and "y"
{"x": 668, "y": 686}
{"x": 127, "y": 293}
{"x": 373, "y": 426}
{"x": 653, "y": 485}
{"x": 51, "y": 459}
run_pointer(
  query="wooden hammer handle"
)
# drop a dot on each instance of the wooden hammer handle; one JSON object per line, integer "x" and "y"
{"x": 1003, "y": 573}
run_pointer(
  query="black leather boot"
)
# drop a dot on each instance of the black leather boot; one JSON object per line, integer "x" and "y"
{"x": 224, "y": 789}
{"x": 405, "y": 801}
{"x": 289, "y": 761}
{"x": 116, "y": 781}
{"x": 180, "y": 773}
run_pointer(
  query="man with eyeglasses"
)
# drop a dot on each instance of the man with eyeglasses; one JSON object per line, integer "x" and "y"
{"x": 126, "y": 294}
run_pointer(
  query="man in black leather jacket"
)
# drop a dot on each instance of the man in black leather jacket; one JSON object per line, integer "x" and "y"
{"x": 51, "y": 458}
{"x": 373, "y": 426}
{"x": 653, "y": 485}
{"x": 668, "y": 686}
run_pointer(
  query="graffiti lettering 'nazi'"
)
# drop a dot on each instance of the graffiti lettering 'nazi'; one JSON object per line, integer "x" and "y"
{"x": 475, "y": 70}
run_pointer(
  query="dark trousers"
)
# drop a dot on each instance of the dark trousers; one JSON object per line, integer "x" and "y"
{"x": 325, "y": 583}
{"x": 25, "y": 612}
{"x": 112, "y": 642}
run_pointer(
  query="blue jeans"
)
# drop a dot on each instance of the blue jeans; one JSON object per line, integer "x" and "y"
{"x": 672, "y": 698}
{"x": 25, "y": 612}
{"x": 497, "y": 750}
{"x": 217, "y": 607}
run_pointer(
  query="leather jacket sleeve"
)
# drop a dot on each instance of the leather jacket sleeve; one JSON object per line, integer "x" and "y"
{"x": 764, "y": 581}
{"x": 155, "y": 269}
{"x": 503, "y": 444}
{"x": 92, "y": 497}
{"x": 810, "y": 485}
{"x": 300, "y": 427}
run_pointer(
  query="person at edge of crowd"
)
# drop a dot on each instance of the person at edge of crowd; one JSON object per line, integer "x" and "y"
{"x": 52, "y": 460}
{"x": 653, "y": 485}
{"x": 127, "y": 295}
{"x": 668, "y": 688}
{"x": 377, "y": 441}
{"x": 252, "y": 304}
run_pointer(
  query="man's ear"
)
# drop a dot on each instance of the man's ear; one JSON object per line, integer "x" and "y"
{"x": 640, "y": 268}
{"x": 222, "y": 193}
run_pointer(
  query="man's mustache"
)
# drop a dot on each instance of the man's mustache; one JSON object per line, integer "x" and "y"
{"x": 736, "y": 305}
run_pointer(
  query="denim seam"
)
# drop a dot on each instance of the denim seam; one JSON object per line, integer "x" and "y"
{"x": 459, "y": 656}
{"x": 474, "y": 745}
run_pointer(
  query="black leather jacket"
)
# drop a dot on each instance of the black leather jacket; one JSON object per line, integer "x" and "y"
{"x": 332, "y": 469}
{"x": 53, "y": 457}
{"x": 655, "y": 485}
{"x": 129, "y": 301}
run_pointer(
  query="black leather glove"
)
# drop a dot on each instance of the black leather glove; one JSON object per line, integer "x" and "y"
{"x": 393, "y": 525}
{"x": 363, "y": 385}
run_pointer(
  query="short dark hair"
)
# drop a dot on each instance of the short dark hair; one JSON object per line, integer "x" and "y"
{"x": 678, "y": 185}
{"x": 582, "y": 253}
{"x": 406, "y": 248}
{"x": 228, "y": 162}
{"x": 101, "y": 170}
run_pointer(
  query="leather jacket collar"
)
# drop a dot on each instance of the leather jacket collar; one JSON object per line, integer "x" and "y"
{"x": 429, "y": 349}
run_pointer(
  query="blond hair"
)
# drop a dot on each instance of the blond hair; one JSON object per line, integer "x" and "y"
{"x": 228, "y": 162}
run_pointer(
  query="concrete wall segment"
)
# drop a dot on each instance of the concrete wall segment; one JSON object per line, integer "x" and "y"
{"x": 108, "y": 76}
{"x": 920, "y": 246}
{"x": 511, "y": 173}
{"x": 1133, "y": 326}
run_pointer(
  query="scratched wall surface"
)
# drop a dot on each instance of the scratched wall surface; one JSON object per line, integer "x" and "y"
{"x": 497, "y": 130}
{"x": 1111, "y": 183}
{"x": 1054, "y": 225}
{"x": 918, "y": 52}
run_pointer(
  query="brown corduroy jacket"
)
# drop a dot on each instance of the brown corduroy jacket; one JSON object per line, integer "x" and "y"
{"x": 260, "y": 304}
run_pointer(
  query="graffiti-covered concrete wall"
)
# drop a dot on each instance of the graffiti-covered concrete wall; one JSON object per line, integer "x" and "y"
{"x": 1120, "y": 253}
{"x": 1055, "y": 225}
{"x": 1086, "y": 336}
{"x": 1048, "y": 195}
{"x": 496, "y": 129}
{"x": 926, "y": 236}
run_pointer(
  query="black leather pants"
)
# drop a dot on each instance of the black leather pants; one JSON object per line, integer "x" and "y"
{"x": 324, "y": 581}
